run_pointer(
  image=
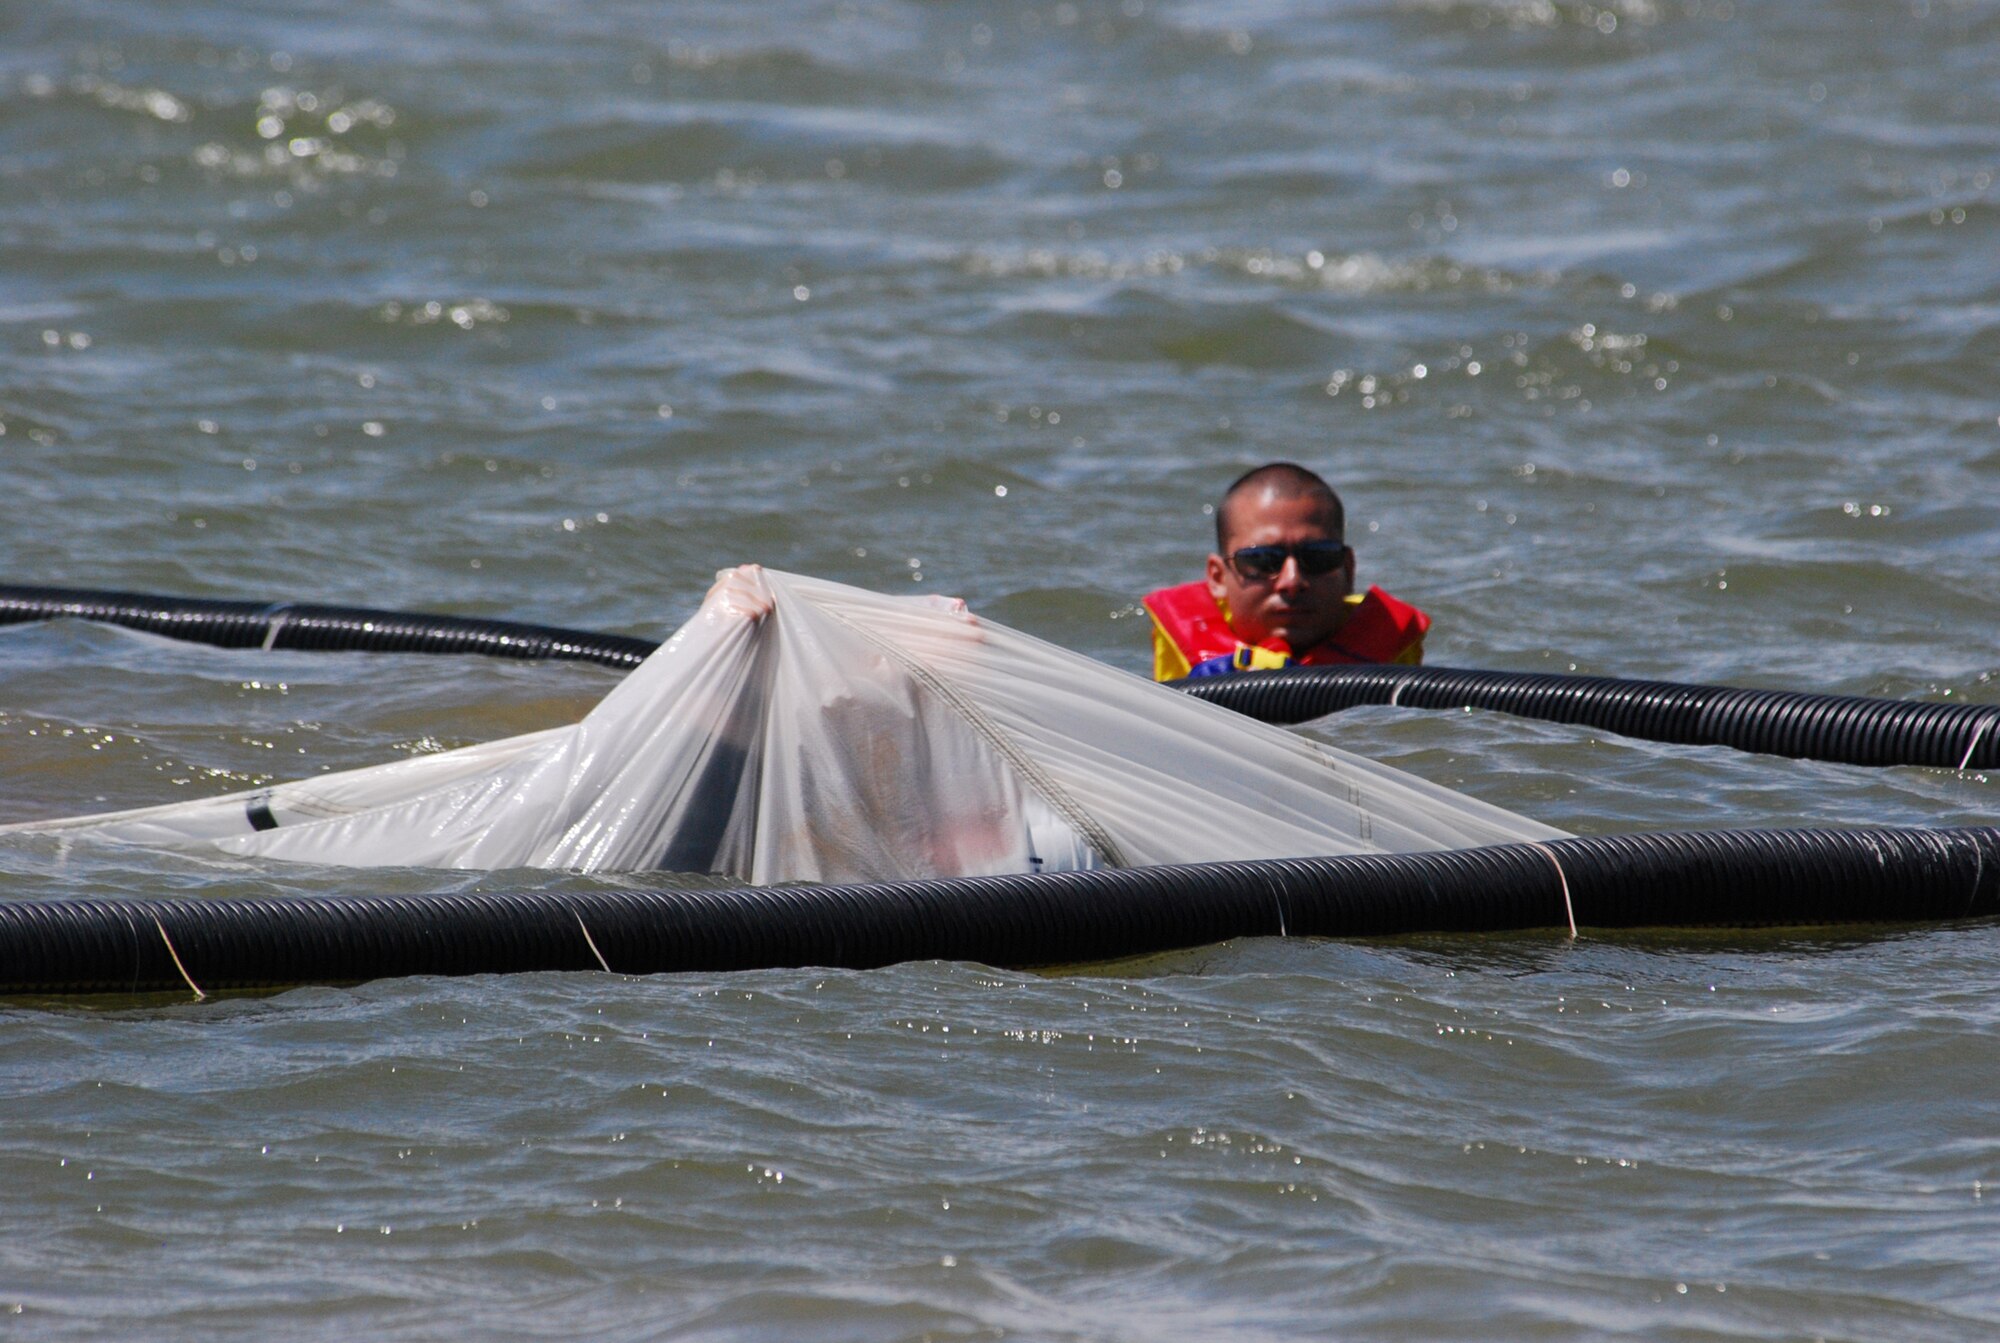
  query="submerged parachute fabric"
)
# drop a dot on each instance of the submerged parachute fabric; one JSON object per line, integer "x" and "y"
{"x": 802, "y": 730}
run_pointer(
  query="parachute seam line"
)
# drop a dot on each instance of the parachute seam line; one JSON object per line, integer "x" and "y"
{"x": 186, "y": 978}
{"x": 1364, "y": 819}
{"x": 1052, "y": 792}
{"x": 1569, "y": 910}
{"x": 1977, "y": 732}
{"x": 590, "y": 941}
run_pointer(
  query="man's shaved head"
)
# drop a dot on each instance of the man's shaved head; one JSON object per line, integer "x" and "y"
{"x": 1277, "y": 480}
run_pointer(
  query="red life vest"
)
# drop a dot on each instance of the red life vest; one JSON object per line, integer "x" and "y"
{"x": 1188, "y": 620}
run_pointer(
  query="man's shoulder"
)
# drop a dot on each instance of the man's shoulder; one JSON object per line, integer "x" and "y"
{"x": 1189, "y": 626}
{"x": 1392, "y": 608}
{"x": 1182, "y": 599}
{"x": 1381, "y": 628}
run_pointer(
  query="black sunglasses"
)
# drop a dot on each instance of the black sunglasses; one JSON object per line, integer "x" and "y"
{"x": 1263, "y": 563}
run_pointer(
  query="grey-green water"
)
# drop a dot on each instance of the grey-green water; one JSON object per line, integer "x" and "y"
{"x": 1645, "y": 338}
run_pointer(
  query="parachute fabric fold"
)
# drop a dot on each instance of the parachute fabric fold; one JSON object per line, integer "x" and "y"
{"x": 802, "y": 730}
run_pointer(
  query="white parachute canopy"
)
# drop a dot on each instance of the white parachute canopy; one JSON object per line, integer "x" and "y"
{"x": 802, "y": 730}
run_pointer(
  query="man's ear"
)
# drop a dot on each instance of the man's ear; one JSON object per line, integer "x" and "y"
{"x": 1349, "y": 564}
{"x": 1216, "y": 572}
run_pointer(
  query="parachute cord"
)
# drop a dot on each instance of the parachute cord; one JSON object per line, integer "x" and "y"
{"x": 591, "y": 942}
{"x": 1569, "y": 910}
{"x": 275, "y": 616}
{"x": 1978, "y": 871}
{"x": 1977, "y": 733}
{"x": 186, "y": 978}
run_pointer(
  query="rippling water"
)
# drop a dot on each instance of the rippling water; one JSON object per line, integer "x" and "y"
{"x": 1644, "y": 338}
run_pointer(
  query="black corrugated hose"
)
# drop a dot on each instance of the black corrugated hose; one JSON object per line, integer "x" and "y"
{"x": 301, "y": 625}
{"x": 1712, "y": 878}
{"x": 1844, "y": 729}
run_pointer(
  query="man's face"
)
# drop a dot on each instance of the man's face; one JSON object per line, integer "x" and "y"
{"x": 1290, "y": 605}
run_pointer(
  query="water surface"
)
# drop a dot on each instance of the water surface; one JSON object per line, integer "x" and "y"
{"x": 1650, "y": 339}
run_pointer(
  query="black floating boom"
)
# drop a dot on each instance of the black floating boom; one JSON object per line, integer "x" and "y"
{"x": 1712, "y": 878}
{"x": 302, "y": 625}
{"x": 1844, "y": 729}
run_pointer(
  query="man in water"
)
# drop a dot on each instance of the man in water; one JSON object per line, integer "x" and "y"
{"x": 1279, "y": 589}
